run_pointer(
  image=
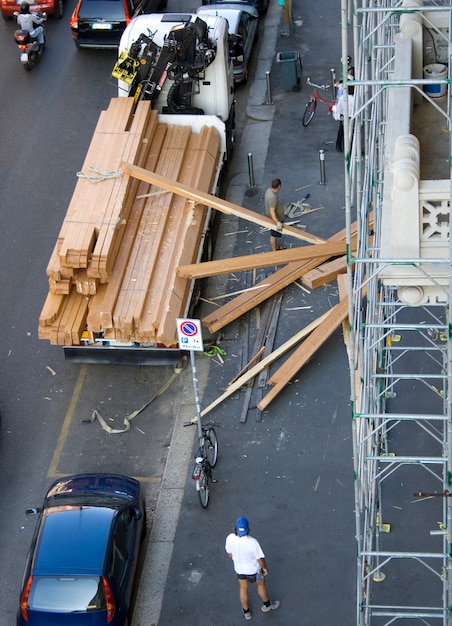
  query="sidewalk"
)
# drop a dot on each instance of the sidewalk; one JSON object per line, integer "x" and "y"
{"x": 289, "y": 470}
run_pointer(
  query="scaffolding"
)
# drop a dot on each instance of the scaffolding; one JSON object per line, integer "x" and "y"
{"x": 398, "y": 188}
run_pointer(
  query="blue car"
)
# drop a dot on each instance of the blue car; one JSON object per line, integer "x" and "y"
{"x": 83, "y": 557}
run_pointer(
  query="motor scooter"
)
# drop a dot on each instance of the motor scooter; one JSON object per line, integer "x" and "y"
{"x": 30, "y": 49}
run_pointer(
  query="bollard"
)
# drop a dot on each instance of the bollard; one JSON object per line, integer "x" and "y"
{"x": 322, "y": 167}
{"x": 269, "y": 89}
{"x": 333, "y": 84}
{"x": 250, "y": 169}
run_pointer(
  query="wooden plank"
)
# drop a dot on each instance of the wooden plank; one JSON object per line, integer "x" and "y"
{"x": 49, "y": 314}
{"x": 263, "y": 259}
{"x": 100, "y": 316}
{"x": 148, "y": 243}
{"x": 113, "y": 237}
{"x": 216, "y": 203}
{"x": 325, "y": 273}
{"x": 265, "y": 363}
{"x": 198, "y": 169}
{"x": 265, "y": 289}
{"x": 304, "y": 353}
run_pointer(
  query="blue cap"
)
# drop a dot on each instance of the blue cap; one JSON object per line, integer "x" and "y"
{"x": 242, "y": 527}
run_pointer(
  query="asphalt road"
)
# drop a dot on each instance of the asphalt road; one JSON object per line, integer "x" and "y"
{"x": 290, "y": 473}
{"x": 46, "y": 123}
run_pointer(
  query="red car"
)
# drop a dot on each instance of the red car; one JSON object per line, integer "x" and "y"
{"x": 51, "y": 7}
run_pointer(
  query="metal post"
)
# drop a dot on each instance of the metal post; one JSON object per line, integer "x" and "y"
{"x": 269, "y": 89}
{"x": 333, "y": 83}
{"x": 322, "y": 167}
{"x": 196, "y": 393}
{"x": 251, "y": 169}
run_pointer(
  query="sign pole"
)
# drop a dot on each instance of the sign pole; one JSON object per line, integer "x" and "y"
{"x": 190, "y": 338}
{"x": 196, "y": 392}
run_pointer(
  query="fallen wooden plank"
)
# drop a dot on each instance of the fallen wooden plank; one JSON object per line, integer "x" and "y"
{"x": 264, "y": 363}
{"x": 325, "y": 273}
{"x": 251, "y": 362}
{"x": 264, "y": 259}
{"x": 304, "y": 353}
{"x": 212, "y": 201}
{"x": 265, "y": 289}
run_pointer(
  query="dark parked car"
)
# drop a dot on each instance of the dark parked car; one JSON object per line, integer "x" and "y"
{"x": 84, "y": 553}
{"x": 100, "y": 23}
{"x": 260, "y": 5}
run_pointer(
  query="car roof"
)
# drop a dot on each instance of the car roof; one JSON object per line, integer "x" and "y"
{"x": 230, "y": 12}
{"x": 73, "y": 540}
{"x": 91, "y": 484}
{"x": 98, "y": 9}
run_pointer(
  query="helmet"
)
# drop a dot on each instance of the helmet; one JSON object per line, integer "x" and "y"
{"x": 242, "y": 526}
{"x": 24, "y": 7}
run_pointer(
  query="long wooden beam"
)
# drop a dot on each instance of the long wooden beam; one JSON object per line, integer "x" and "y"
{"x": 263, "y": 259}
{"x": 212, "y": 201}
{"x": 303, "y": 353}
{"x": 233, "y": 387}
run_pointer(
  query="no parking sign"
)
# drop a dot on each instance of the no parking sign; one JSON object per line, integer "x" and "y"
{"x": 189, "y": 334}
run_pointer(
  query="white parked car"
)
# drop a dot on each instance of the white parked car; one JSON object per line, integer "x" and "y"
{"x": 242, "y": 21}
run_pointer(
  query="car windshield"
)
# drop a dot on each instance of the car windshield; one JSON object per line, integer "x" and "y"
{"x": 67, "y": 594}
{"x": 109, "y": 501}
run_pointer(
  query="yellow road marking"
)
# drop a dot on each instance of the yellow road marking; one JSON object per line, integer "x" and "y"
{"x": 52, "y": 471}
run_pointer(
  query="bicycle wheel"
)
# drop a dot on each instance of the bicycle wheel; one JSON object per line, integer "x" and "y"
{"x": 309, "y": 112}
{"x": 203, "y": 491}
{"x": 211, "y": 446}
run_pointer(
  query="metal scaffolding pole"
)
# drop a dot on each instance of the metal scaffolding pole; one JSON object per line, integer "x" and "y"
{"x": 400, "y": 350}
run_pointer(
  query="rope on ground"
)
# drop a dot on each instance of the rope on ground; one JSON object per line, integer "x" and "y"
{"x": 100, "y": 175}
{"x": 95, "y": 415}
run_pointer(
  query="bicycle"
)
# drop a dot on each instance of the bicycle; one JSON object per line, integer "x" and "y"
{"x": 312, "y": 104}
{"x": 205, "y": 459}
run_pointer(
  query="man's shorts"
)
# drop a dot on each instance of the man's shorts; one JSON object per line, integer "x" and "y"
{"x": 251, "y": 578}
{"x": 275, "y": 233}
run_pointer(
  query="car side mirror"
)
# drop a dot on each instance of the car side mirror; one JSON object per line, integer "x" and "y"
{"x": 32, "y": 511}
{"x": 137, "y": 514}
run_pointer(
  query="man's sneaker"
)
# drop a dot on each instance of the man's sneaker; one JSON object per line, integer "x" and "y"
{"x": 271, "y": 607}
{"x": 247, "y": 614}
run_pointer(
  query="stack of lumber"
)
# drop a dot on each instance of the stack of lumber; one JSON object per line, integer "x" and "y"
{"x": 113, "y": 268}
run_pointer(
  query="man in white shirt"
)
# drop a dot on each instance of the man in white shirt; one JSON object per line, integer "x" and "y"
{"x": 249, "y": 566}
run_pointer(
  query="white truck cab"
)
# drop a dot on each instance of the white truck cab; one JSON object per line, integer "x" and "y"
{"x": 179, "y": 61}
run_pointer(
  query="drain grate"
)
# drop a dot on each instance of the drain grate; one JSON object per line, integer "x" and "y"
{"x": 151, "y": 374}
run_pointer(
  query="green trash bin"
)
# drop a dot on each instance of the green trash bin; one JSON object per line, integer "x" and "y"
{"x": 290, "y": 64}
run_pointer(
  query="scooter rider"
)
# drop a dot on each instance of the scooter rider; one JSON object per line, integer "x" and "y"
{"x": 31, "y": 22}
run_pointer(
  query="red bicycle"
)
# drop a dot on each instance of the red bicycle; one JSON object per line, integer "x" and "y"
{"x": 312, "y": 104}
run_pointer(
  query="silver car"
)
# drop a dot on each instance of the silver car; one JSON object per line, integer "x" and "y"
{"x": 242, "y": 21}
